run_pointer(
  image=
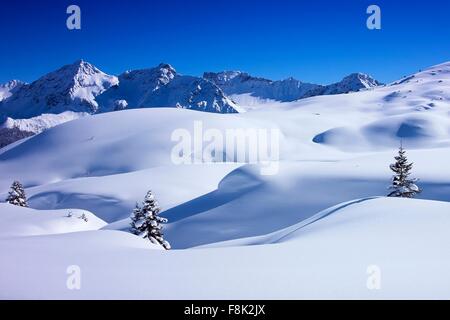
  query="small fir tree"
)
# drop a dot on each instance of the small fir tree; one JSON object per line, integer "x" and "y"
{"x": 146, "y": 222}
{"x": 402, "y": 185}
{"x": 17, "y": 195}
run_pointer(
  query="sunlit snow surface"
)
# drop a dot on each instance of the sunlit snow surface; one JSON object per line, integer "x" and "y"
{"x": 310, "y": 231}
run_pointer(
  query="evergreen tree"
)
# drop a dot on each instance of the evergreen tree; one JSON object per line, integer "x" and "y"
{"x": 402, "y": 185}
{"x": 137, "y": 220}
{"x": 146, "y": 222}
{"x": 17, "y": 195}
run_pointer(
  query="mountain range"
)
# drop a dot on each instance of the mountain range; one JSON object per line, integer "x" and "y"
{"x": 80, "y": 88}
{"x": 237, "y": 82}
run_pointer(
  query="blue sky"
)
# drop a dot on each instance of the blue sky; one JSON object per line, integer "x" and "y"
{"x": 317, "y": 41}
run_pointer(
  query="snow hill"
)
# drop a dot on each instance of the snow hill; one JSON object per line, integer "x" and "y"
{"x": 329, "y": 259}
{"x": 21, "y": 222}
{"x": 237, "y": 83}
{"x": 324, "y": 207}
{"x": 71, "y": 88}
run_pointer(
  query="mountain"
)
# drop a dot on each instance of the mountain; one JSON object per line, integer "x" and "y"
{"x": 238, "y": 83}
{"x": 352, "y": 83}
{"x": 9, "y": 88}
{"x": 162, "y": 86}
{"x": 70, "y": 88}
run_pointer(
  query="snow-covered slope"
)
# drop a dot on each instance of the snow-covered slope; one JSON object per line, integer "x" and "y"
{"x": 9, "y": 88}
{"x": 71, "y": 88}
{"x": 21, "y": 222}
{"x": 320, "y": 209}
{"x": 332, "y": 258}
{"x": 163, "y": 87}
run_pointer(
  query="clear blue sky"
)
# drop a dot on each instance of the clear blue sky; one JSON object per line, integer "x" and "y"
{"x": 317, "y": 41}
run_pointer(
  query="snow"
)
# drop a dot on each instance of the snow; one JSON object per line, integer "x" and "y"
{"x": 162, "y": 86}
{"x": 315, "y": 226}
{"x": 9, "y": 88}
{"x": 40, "y": 123}
{"x": 237, "y": 84}
{"x": 26, "y": 222}
{"x": 70, "y": 88}
{"x": 320, "y": 260}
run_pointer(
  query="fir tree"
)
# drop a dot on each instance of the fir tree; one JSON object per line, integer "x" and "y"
{"x": 402, "y": 185}
{"x": 137, "y": 220}
{"x": 146, "y": 222}
{"x": 17, "y": 195}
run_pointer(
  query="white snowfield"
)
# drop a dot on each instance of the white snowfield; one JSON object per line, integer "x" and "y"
{"x": 23, "y": 222}
{"x": 318, "y": 228}
{"x": 404, "y": 239}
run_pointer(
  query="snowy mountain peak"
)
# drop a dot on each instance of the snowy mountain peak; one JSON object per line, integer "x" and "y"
{"x": 238, "y": 83}
{"x": 70, "y": 88}
{"x": 167, "y": 67}
{"x": 162, "y": 86}
{"x": 12, "y": 84}
{"x": 224, "y": 76}
{"x": 351, "y": 83}
{"x": 152, "y": 78}
{"x": 7, "y": 89}
{"x": 356, "y": 80}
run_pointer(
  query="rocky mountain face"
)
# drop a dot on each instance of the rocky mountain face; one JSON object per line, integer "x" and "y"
{"x": 236, "y": 83}
{"x": 164, "y": 87}
{"x": 70, "y": 88}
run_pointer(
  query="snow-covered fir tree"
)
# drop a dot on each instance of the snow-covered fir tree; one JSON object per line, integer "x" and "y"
{"x": 402, "y": 185}
{"x": 137, "y": 220}
{"x": 146, "y": 222}
{"x": 17, "y": 195}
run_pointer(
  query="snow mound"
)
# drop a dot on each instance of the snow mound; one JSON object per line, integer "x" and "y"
{"x": 403, "y": 239}
{"x": 19, "y": 222}
{"x": 420, "y": 130}
{"x": 368, "y": 218}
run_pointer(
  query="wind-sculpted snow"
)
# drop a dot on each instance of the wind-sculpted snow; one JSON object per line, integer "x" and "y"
{"x": 320, "y": 221}
{"x": 327, "y": 259}
{"x": 21, "y": 222}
